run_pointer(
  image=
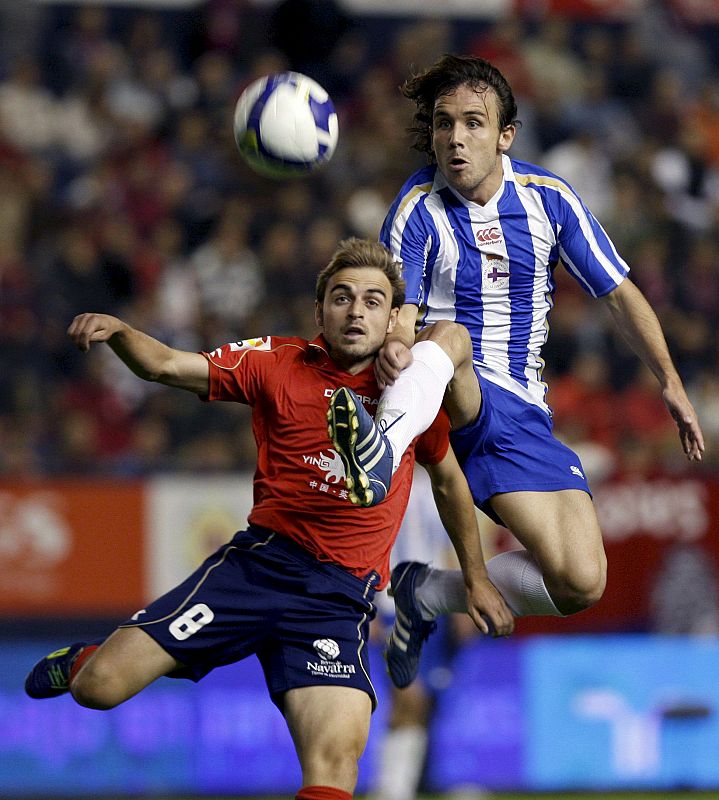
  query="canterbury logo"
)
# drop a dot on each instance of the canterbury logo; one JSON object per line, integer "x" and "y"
{"x": 489, "y": 235}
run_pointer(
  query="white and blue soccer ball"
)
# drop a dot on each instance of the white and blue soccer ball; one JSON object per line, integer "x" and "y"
{"x": 285, "y": 125}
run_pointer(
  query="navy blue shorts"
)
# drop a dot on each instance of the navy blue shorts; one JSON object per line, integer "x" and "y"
{"x": 510, "y": 447}
{"x": 307, "y": 621}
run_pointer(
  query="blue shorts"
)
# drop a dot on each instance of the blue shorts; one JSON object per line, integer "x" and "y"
{"x": 307, "y": 621}
{"x": 510, "y": 447}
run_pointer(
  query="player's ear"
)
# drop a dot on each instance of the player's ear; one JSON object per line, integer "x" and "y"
{"x": 393, "y": 314}
{"x": 506, "y": 137}
{"x": 319, "y": 316}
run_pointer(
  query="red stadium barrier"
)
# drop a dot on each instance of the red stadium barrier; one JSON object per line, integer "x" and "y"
{"x": 95, "y": 548}
{"x": 71, "y": 548}
{"x": 660, "y": 536}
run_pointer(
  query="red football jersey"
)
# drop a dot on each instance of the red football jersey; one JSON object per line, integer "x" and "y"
{"x": 299, "y": 486}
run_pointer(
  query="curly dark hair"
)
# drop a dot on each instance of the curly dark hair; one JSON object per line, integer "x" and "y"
{"x": 446, "y": 75}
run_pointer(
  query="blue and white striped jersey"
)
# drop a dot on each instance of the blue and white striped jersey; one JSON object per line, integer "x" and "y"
{"x": 492, "y": 267}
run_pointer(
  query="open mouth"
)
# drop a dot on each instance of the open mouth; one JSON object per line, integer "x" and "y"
{"x": 354, "y": 333}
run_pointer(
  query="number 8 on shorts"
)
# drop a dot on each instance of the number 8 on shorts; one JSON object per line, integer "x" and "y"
{"x": 191, "y": 621}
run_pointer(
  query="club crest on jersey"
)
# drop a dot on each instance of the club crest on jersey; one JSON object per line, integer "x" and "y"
{"x": 491, "y": 235}
{"x": 495, "y": 272}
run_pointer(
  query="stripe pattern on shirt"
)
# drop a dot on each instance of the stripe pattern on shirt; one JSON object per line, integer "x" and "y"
{"x": 491, "y": 267}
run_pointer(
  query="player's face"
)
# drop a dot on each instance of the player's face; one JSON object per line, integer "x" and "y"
{"x": 468, "y": 143}
{"x": 356, "y": 315}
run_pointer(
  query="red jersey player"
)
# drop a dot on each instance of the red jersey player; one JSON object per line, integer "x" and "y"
{"x": 299, "y": 486}
{"x": 296, "y": 587}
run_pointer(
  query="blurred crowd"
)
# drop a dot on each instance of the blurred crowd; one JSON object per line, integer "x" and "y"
{"x": 121, "y": 191}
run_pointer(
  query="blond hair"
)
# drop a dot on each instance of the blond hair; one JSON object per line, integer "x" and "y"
{"x": 353, "y": 253}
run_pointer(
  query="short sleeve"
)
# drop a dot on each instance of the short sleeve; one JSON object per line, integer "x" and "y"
{"x": 239, "y": 369}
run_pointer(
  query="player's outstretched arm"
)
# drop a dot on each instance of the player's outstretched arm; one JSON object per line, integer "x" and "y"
{"x": 639, "y": 325}
{"x": 456, "y": 510}
{"x": 147, "y": 357}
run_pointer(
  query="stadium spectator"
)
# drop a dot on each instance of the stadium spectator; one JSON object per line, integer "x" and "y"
{"x": 75, "y": 57}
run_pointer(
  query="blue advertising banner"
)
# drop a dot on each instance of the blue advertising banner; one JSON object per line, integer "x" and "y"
{"x": 622, "y": 712}
{"x": 222, "y": 735}
{"x": 478, "y": 731}
{"x": 538, "y": 713}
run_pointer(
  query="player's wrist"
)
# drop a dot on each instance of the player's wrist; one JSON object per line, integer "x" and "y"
{"x": 670, "y": 381}
{"x": 475, "y": 576}
{"x": 395, "y": 340}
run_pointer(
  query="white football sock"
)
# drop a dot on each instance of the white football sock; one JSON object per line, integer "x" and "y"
{"x": 409, "y": 406}
{"x": 441, "y": 591}
{"x": 401, "y": 761}
{"x": 515, "y": 574}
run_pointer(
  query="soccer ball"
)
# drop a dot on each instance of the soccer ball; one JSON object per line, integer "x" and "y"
{"x": 285, "y": 125}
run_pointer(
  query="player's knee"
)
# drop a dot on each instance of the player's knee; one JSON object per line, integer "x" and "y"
{"x": 452, "y": 337}
{"x": 97, "y": 686}
{"x": 332, "y": 765}
{"x": 410, "y": 707}
{"x": 580, "y": 587}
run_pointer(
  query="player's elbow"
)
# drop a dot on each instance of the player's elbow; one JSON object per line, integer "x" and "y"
{"x": 164, "y": 372}
{"x": 153, "y": 376}
{"x": 450, "y": 494}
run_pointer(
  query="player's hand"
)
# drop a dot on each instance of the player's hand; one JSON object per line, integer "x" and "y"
{"x": 681, "y": 409}
{"x": 489, "y": 612}
{"x": 88, "y": 328}
{"x": 392, "y": 358}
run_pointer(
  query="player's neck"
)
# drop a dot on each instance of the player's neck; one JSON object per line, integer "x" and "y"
{"x": 485, "y": 191}
{"x": 354, "y": 367}
{"x": 358, "y": 366}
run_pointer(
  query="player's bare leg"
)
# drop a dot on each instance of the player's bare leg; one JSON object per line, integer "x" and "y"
{"x": 564, "y": 568}
{"x": 561, "y": 571}
{"x": 329, "y": 726}
{"x": 565, "y": 564}
{"x": 127, "y": 662}
{"x": 561, "y": 531}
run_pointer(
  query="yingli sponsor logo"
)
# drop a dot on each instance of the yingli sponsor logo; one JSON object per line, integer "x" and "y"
{"x": 489, "y": 235}
{"x": 330, "y": 463}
